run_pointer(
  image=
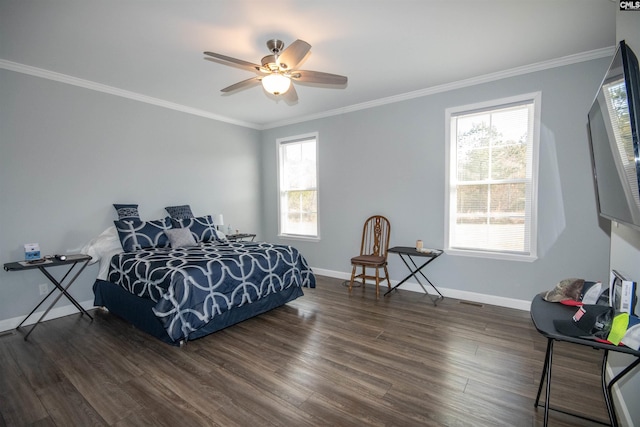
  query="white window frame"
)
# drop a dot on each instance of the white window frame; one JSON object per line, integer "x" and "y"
{"x": 279, "y": 143}
{"x": 451, "y": 177}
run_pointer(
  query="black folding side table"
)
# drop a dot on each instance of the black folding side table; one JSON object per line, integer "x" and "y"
{"x": 72, "y": 261}
{"x": 543, "y": 313}
{"x": 407, "y": 255}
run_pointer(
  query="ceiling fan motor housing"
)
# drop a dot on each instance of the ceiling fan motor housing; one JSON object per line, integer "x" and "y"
{"x": 269, "y": 62}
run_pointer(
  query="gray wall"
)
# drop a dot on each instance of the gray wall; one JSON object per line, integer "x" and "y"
{"x": 390, "y": 160}
{"x": 67, "y": 154}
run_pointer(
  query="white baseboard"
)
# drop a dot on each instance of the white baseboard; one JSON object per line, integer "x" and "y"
{"x": 66, "y": 310}
{"x": 56, "y": 312}
{"x": 449, "y": 293}
{"x": 8, "y": 324}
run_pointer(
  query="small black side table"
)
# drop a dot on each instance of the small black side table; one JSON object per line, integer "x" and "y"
{"x": 72, "y": 260}
{"x": 240, "y": 237}
{"x": 407, "y": 253}
{"x": 543, "y": 313}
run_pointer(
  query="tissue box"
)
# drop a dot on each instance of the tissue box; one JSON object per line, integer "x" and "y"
{"x": 31, "y": 251}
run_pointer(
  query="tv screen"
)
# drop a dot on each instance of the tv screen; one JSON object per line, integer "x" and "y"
{"x": 613, "y": 135}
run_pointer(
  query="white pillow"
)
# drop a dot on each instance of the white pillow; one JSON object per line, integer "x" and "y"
{"x": 102, "y": 249}
{"x": 107, "y": 242}
{"x": 180, "y": 237}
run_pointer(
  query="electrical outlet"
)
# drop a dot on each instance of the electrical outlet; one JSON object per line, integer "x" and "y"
{"x": 44, "y": 289}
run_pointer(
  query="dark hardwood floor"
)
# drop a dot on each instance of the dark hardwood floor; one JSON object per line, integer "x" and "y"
{"x": 326, "y": 359}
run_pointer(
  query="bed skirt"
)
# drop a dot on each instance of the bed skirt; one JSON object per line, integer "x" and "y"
{"x": 138, "y": 311}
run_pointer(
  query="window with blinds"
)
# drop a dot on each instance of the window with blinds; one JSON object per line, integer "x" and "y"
{"x": 298, "y": 186}
{"x": 491, "y": 181}
{"x": 617, "y": 104}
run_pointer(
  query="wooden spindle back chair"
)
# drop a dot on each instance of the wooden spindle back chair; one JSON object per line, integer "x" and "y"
{"x": 373, "y": 252}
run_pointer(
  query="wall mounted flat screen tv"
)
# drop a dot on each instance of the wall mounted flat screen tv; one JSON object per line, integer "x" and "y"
{"x": 614, "y": 140}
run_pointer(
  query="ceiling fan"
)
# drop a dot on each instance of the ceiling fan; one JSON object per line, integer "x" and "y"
{"x": 278, "y": 70}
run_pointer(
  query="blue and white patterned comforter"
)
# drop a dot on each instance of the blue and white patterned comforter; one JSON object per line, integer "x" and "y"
{"x": 193, "y": 285}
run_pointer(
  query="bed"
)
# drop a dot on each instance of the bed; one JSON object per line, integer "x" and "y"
{"x": 183, "y": 292}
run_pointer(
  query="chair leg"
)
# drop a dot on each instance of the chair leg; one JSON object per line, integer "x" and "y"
{"x": 353, "y": 275}
{"x": 377, "y": 282}
{"x": 364, "y": 277}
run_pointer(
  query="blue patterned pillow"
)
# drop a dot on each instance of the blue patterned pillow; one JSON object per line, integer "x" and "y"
{"x": 180, "y": 212}
{"x": 127, "y": 211}
{"x": 201, "y": 227}
{"x": 135, "y": 234}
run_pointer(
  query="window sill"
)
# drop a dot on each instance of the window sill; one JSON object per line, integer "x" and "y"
{"x": 298, "y": 237}
{"x": 492, "y": 255}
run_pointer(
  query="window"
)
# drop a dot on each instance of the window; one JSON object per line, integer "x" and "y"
{"x": 615, "y": 96}
{"x": 492, "y": 178}
{"x": 298, "y": 186}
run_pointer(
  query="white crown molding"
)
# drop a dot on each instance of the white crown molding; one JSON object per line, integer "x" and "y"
{"x": 540, "y": 66}
{"x": 526, "y": 69}
{"x": 87, "y": 84}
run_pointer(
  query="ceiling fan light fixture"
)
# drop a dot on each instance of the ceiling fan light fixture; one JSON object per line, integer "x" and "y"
{"x": 276, "y": 84}
{"x": 278, "y": 70}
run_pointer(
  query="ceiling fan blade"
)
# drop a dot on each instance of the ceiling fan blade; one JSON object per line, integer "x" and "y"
{"x": 291, "y": 96}
{"x": 241, "y": 85}
{"x": 318, "y": 77}
{"x": 244, "y": 64}
{"x": 293, "y": 55}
